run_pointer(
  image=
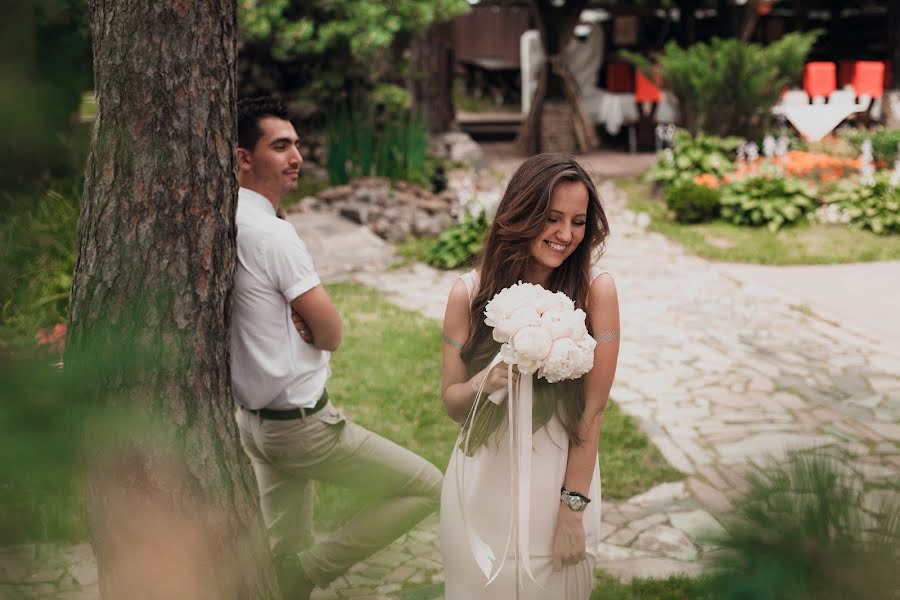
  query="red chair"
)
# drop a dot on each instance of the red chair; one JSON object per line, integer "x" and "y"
{"x": 819, "y": 79}
{"x": 868, "y": 78}
{"x": 644, "y": 89}
{"x": 619, "y": 78}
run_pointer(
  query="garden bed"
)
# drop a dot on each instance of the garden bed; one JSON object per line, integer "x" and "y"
{"x": 807, "y": 205}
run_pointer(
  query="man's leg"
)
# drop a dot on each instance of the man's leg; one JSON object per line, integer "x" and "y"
{"x": 286, "y": 500}
{"x": 403, "y": 486}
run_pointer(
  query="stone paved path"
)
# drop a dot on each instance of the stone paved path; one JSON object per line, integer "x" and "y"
{"x": 721, "y": 375}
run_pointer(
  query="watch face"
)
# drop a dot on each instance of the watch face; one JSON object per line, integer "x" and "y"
{"x": 576, "y": 503}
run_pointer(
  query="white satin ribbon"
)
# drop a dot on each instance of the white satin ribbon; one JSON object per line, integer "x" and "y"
{"x": 519, "y": 410}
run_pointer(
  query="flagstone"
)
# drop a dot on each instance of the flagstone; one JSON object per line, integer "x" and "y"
{"x": 698, "y": 525}
{"x": 666, "y": 540}
{"x": 708, "y": 496}
{"x": 659, "y": 494}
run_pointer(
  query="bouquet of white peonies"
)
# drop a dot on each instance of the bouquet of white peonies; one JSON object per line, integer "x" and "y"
{"x": 541, "y": 331}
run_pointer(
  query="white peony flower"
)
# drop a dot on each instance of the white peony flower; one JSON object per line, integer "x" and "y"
{"x": 532, "y": 343}
{"x": 565, "y": 324}
{"x": 524, "y": 316}
{"x": 568, "y": 359}
{"x": 561, "y": 362}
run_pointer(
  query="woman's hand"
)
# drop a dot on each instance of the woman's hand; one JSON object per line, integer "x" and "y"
{"x": 568, "y": 543}
{"x": 497, "y": 378}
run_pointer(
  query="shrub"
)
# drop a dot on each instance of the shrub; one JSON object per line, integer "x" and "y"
{"x": 394, "y": 146}
{"x": 459, "y": 244}
{"x": 806, "y": 530}
{"x": 693, "y": 156}
{"x": 37, "y": 242}
{"x": 884, "y": 143}
{"x": 773, "y": 202}
{"x": 873, "y": 207}
{"x": 693, "y": 203}
{"x": 728, "y": 87}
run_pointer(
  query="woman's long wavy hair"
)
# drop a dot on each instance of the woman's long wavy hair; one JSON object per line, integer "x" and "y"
{"x": 521, "y": 218}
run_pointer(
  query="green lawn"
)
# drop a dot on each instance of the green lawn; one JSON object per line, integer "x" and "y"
{"x": 396, "y": 393}
{"x": 607, "y": 587}
{"x": 414, "y": 249}
{"x": 804, "y": 244}
{"x": 386, "y": 377}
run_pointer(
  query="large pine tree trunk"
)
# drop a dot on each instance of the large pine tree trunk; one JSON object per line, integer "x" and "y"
{"x": 556, "y": 87}
{"x": 432, "y": 81}
{"x": 171, "y": 502}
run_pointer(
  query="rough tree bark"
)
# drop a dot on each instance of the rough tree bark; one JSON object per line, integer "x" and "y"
{"x": 432, "y": 80}
{"x": 556, "y": 25}
{"x": 175, "y": 514}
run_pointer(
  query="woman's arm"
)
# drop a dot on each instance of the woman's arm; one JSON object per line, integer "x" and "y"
{"x": 458, "y": 390}
{"x": 603, "y": 311}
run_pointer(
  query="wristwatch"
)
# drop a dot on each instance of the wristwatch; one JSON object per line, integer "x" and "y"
{"x": 575, "y": 501}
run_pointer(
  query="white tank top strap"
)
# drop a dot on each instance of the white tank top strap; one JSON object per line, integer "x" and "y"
{"x": 597, "y": 272}
{"x": 471, "y": 281}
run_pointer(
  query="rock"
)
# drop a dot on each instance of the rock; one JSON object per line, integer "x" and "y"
{"x": 432, "y": 205}
{"x": 425, "y": 225}
{"x": 666, "y": 540}
{"x": 398, "y": 231}
{"x": 699, "y": 525}
{"x": 404, "y": 197}
{"x": 371, "y": 182}
{"x": 336, "y": 193}
{"x": 449, "y": 196}
{"x": 663, "y": 493}
{"x": 457, "y": 146}
{"x": 380, "y": 227}
{"x": 355, "y": 213}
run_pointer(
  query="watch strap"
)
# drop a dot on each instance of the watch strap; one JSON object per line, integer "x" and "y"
{"x": 566, "y": 492}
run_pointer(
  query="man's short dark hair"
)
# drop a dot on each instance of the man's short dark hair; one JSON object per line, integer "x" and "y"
{"x": 250, "y": 111}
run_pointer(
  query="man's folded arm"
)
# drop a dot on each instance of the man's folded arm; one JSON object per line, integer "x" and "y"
{"x": 318, "y": 311}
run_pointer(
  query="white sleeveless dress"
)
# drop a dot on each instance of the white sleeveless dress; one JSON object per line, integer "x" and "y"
{"x": 488, "y": 508}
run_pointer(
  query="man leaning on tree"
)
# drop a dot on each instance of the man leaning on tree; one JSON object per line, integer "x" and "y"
{"x": 284, "y": 328}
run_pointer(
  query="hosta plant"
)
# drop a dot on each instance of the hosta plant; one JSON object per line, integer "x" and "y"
{"x": 773, "y": 202}
{"x": 873, "y": 207}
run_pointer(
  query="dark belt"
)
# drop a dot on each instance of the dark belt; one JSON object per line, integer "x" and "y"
{"x": 290, "y": 413}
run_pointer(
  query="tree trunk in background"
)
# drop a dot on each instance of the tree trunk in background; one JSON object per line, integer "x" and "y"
{"x": 171, "y": 501}
{"x": 432, "y": 81}
{"x": 751, "y": 18}
{"x": 556, "y": 92}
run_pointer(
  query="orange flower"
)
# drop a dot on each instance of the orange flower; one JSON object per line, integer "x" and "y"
{"x": 53, "y": 339}
{"x": 707, "y": 179}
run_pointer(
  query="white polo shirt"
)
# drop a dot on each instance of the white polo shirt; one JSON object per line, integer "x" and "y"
{"x": 271, "y": 366}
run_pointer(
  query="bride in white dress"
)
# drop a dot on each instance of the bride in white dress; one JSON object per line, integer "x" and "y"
{"x": 548, "y": 225}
